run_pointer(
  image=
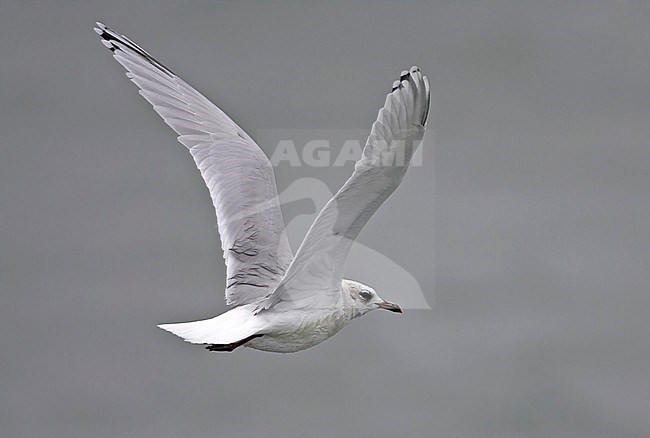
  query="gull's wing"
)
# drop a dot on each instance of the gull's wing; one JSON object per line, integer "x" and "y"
{"x": 238, "y": 174}
{"x": 314, "y": 277}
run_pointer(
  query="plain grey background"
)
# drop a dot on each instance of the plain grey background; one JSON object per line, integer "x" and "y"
{"x": 538, "y": 248}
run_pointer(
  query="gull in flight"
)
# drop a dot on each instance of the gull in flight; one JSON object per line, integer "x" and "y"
{"x": 282, "y": 302}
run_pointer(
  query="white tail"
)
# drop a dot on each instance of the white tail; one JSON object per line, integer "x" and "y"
{"x": 232, "y": 326}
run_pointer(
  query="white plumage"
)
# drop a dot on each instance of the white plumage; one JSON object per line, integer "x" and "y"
{"x": 283, "y": 303}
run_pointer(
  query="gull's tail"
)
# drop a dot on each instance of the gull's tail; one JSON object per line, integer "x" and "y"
{"x": 229, "y": 329}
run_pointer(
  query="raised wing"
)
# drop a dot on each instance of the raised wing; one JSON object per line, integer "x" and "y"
{"x": 238, "y": 174}
{"x": 314, "y": 277}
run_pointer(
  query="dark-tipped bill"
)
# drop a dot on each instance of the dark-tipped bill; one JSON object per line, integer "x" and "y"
{"x": 387, "y": 305}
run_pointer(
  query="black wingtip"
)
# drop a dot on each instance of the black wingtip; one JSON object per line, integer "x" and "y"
{"x": 112, "y": 40}
{"x": 404, "y": 76}
{"x": 107, "y": 39}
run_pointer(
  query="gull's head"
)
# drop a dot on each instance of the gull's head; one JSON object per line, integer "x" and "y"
{"x": 364, "y": 298}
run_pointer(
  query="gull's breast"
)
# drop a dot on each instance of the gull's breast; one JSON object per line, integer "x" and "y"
{"x": 296, "y": 332}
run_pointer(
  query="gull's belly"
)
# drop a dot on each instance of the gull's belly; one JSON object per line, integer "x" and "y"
{"x": 289, "y": 338}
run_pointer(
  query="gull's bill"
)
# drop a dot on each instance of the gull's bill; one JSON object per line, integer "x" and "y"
{"x": 391, "y": 307}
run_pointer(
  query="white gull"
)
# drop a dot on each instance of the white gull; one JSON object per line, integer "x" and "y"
{"x": 282, "y": 303}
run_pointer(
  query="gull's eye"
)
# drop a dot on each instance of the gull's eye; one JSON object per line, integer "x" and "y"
{"x": 365, "y": 295}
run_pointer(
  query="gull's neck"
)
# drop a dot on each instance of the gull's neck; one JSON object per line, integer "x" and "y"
{"x": 349, "y": 309}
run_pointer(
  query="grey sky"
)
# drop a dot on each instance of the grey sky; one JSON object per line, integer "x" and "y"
{"x": 529, "y": 215}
